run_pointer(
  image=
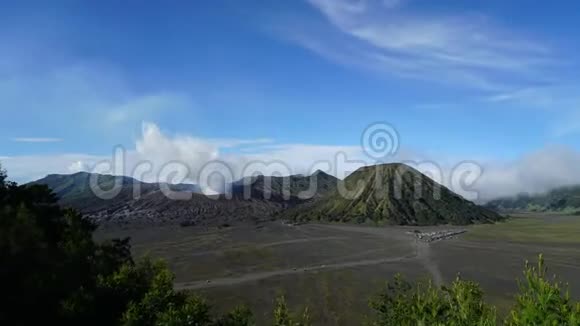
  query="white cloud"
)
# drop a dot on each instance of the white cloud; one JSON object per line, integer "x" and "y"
{"x": 459, "y": 48}
{"x": 561, "y": 101}
{"x": 534, "y": 172}
{"x": 192, "y": 154}
{"x": 195, "y": 155}
{"x": 27, "y": 168}
{"x": 78, "y": 166}
{"x": 139, "y": 108}
{"x": 36, "y": 140}
{"x": 554, "y": 97}
{"x": 95, "y": 99}
{"x": 228, "y": 143}
{"x": 156, "y": 147}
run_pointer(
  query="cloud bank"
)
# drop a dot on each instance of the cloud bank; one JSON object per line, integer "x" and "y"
{"x": 160, "y": 157}
{"x": 535, "y": 172}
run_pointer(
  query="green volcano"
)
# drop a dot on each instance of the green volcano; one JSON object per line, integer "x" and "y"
{"x": 394, "y": 193}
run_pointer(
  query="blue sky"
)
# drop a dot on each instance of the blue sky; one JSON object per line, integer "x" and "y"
{"x": 495, "y": 81}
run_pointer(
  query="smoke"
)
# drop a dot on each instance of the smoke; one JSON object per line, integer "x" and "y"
{"x": 159, "y": 157}
{"x": 191, "y": 154}
{"x": 535, "y": 172}
{"x": 215, "y": 163}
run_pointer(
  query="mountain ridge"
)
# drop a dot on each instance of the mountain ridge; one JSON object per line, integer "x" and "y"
{"x": 390, "y": 194}
{"x": 285, "y": 188}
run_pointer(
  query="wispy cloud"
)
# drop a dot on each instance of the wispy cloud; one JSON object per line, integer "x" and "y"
{"x": 141, "y": 108}
{"x": 242, "y": 143}
{"x": 560, "y": 97}
{"x": 532, "y": 172}
{"x": 568, "y": 124}
{"x": 91, "y": 98}
{"x": 561, "y": 102}
{"x": 36, "y": 140}
{"x": 459, "y": 48}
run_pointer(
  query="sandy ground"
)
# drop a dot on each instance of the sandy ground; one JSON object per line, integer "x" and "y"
{"x": 335, "y": 268}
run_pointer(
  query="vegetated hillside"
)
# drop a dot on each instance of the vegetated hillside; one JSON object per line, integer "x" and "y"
{"x": 74, "y": 190}
{"x": 152, "y": 206}
{"x": 289, "y": 188}
{"x": 400, "y": 195}
{"x": 563, "y": 199}
{"x": 53, "y": 267}
{"x": 397, "y": 194}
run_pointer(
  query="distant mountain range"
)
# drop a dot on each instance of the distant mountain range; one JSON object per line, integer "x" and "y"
{"x": 393, "y": 193}
{"x": 294, "y": 188}
{"x": 263, "y": 198}
{"x": 74, "y": 189}
{"x": 559, "y": 200}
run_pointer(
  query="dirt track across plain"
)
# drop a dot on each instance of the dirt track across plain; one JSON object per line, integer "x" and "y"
{"x": 420, "y": 252}
{"x": 335, "y": 268}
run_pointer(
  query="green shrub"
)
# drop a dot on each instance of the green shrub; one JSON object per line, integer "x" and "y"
{"x": 542, "y": 301}
{"x": 283, "y": 316}
{"x": 54, "y": 272}
{"x": 193, "y": 312}
{"x": 240, "y": 316}
{"x": 402, "y": 303}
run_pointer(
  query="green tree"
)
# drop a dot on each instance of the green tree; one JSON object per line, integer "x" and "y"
{"x": 193, "y": 312}
{"x": 50, "y": 263}
{"x": 54, "y": 273}
{"x": 45, "y": 253}
{"x": 240, "y": 316}
{"x": 52, "y": 268}
{"x": 156, "y": 282}
{"x": 284, "y": 317}
{"x": 543, "y": 301}
{"x": 2, "y": 177}
{"x": 402, "y": 303}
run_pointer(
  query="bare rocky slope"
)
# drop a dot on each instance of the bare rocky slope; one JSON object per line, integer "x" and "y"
{"x": 251, "y": 199}
{"x": 393, "y": 193}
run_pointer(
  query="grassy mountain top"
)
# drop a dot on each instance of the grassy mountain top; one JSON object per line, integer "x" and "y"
{"x": 394, "y": 193}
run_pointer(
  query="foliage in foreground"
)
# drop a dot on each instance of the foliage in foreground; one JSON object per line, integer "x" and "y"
{"x": 540, "y": 301}
{"x": 402, "y": 303}
{"x": 543, "y": 301}
{"x": 52, "y": 268}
